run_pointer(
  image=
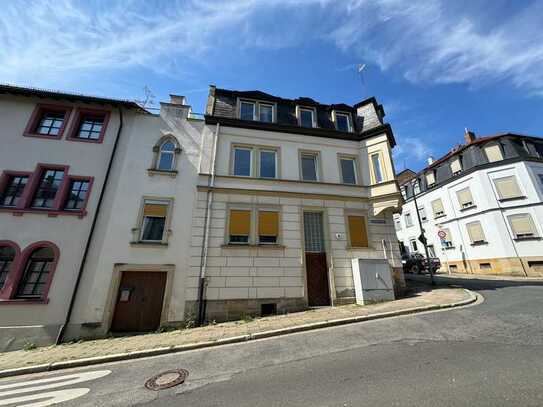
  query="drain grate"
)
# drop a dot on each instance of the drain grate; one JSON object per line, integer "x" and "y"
{"x": 168, "y": 379}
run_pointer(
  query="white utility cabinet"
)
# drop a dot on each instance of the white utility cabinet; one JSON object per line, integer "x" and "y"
{"x": 372, "y": 280}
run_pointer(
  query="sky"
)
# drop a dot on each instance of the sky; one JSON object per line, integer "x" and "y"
{"x": 437, "y": 66}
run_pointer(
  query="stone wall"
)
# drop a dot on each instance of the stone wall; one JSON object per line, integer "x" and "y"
{"x": 506, "y": 266}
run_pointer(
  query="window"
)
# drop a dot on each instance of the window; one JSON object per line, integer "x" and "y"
{"x": 154, "y": 221}
{"x": 493, "y": 152}
{"x": 268, "y": 164}
{"x": 309, "y": 166}
{"x": 166, "y": 156}
{"x": 265, "y": 113}
{"x": 446, "y": 241}
{"x": 7, "y": 255}
{"x": 13, "y": 190}
{"x": 48, "y": 121}
{"x": 431, "y": 250}
{"x": 36, "y": 273}
{"x": 49, "y": 185}
{"x": 437, "y": 207}
{"x": 397, "y": 223}
{"x": 343, "y": 122}
{"x": 522, "y": 226}
{"x": 475, "y": 232}
{"x": 268, "y": 227}
{"x": 416, "y": 187}
{"x": 422, "y": 214}
{"x": 247, "y": 111}
{"x": 430, "y": 178}
{"x": 348, "y": 170}
{"x": 408, "y": 220}
{"x": 242, "y": 161}
{"x": 306, "y": 117}
{"x": 90, "y": 127}
{"x": 456, "y": 165}
{"x": 507, "y": 188}
{"x": 377, "y": 171}
{"x": 239, "y": 226}
{"x": 414, "y": 247}
{"x": 357, "y": 231}
{"x": 77, "y": 194}
{"x": 465, "y": 199}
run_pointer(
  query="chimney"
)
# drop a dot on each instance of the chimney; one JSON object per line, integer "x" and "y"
{"x": 210, "y": 106}
{"x": 469, "y": 136}
{"x": 177, "y": 99}
{"x": 430, "y": 160}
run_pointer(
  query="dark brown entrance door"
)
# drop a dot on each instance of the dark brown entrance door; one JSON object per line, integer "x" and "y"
{"x": 318, "y": 292}
{"x": 139, "y": 302}
{"x": 317, "y": 279}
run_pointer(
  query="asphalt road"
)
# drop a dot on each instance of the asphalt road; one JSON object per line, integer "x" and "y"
{"x": 490, "y": 354}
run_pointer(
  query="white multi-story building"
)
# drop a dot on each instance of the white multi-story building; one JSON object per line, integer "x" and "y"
{"x": 55, "y": 155}
{"x": 481, "y": 207}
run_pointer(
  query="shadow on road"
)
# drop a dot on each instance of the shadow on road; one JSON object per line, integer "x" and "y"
{"x": 472, "y": 283}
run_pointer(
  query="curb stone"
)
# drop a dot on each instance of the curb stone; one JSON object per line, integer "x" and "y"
{"x": 48, "y": 367}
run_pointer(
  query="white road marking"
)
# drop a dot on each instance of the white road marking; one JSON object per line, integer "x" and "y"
{"x": 51, "y": 397}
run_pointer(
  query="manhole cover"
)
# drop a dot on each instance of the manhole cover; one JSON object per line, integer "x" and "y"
{"x": 168, "y": 379}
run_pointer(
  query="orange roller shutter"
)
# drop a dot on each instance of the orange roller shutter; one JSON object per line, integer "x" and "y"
{"x": 357, "y": 231}
{"x": 240, "y": 223}
{"x": 268, "y": 223}
{"x": 155, "y": 210}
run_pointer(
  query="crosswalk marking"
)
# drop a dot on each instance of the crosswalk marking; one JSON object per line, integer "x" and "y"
{"x": 47, "y": 398}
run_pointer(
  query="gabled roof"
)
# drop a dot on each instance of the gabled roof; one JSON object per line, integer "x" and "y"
{"x": 73, "y": 97}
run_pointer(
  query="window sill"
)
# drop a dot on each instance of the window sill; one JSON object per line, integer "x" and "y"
{"x": 22, "y": 301}
{"x": 52, "y": 213}
{"x": 512, "y": 199}
{"x": 520, "y": 239}
{"x": 467, "y": 208}
{"x": 43, "y": 136}
{"x": 170, "y": 173}
{"x": 481, "y": 243}
{"x": 249, "y": 245}
{"x": 85, "y": 140}
{"x": 357, "y": 247}
{"x": 440, "y": 216}
{"x": 448, "y": 248}
{"x": 149, "y": 244}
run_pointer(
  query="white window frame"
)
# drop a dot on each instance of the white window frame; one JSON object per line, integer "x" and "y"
{"x": 407, "y": 216}
{"x": 272, "y": 105}
{"x": 422, "y": 211}
{"x": 336, "y": 113}
{"x": 381, "y": 169}
{"x": 313, "y": 111}
{"x": 256, "y": 109}
{"x": 316, "y": 156}
{"x": 260, "y": 150}
{"x": 354, "y": 160}
{"x": 138, "y": 230}
{"x": 535, "y": 233}
{"x": 257, "y": 226}
{"x": 233, "y": 160}
{"x": 241, "y": 102}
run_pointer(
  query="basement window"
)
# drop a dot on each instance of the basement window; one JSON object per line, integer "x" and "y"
{"x": 485, "y": 266}
{"x": 268, "y": 309}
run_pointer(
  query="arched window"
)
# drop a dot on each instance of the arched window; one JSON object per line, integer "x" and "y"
{"x": 166, "y": 156}
{"x": 7, "y": 255}
{"x": 37, "y": 270}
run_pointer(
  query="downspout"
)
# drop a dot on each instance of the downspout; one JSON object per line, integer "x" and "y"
{"x": 63, "y": 327}
{"x": 203, "y": 264}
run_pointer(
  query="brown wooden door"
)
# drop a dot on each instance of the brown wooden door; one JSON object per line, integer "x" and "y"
{"x": 139, "y": 302}
{"x": 318, "y": 293}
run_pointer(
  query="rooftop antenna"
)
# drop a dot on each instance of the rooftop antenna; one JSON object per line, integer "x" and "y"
{"x": 360, "y": 68}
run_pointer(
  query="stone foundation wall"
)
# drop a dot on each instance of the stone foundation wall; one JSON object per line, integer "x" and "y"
{"x": 507, "y": 266}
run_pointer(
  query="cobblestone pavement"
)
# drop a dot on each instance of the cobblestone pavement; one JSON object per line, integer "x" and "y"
{"x": 418, "y": 296}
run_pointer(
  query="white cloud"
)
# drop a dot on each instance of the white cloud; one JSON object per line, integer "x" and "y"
{"x": 411, "y": 149}
{"x": 53, "y": 41}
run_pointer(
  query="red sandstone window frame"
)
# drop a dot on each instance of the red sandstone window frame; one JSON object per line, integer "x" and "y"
{"x": 25, "y": 203}
{"x": 9, "y": 292}
{"x": 37, "y": 114}
{"x": 79, "y": 115}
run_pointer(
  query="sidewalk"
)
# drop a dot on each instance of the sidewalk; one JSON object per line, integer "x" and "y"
{"x": 488, "y": 277}
{"x": 418, "y": 299}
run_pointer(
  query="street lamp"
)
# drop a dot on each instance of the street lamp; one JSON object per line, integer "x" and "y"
{"x": 422, "y": 238}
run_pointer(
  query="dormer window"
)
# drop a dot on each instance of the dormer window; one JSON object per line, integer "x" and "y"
{"x": 247, "y": 110}
{"x": 430, "y": 178}
{"x": 342, "y": 121}
{"x": 306, "y": 117}
{"x": 456, "y": 166}
{"x": 256, "y": 111}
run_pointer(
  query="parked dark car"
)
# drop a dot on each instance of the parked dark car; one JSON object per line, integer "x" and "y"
{"x": 417, "y": 263}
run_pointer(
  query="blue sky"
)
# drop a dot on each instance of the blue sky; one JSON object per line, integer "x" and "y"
{"x": 437, "y": 66}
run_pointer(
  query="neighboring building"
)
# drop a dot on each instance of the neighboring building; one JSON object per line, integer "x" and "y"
{"x": 290, "y": 192}
{"x": 486, "y": 199}
{"x": 137, "y": 269}
{"x": 54, "y": 160}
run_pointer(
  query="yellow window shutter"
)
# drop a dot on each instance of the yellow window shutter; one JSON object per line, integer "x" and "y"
{"x": 437, "y": 206}
{"x": 507, "y": 187}
{"x": 155, "y": 210}
{"x": 268, "y": 223}
{"x": 357, "y": 231}
{"x": 522, "y": 225}
{"x": 240, "y": 222}
{"x": 464, "y": 197}
{"x": 430, "y": 178}
{"x": 493, "y": 153}
{"x": 456, "y": 166}
{"x": 475, "y": 232}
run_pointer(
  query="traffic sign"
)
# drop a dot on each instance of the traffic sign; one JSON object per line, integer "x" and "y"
{"x": 442, "y": 234}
